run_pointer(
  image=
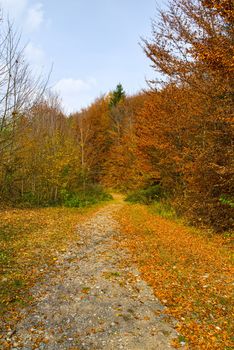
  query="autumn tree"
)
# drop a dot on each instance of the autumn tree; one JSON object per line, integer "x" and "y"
{"x": 122, "y": 166}
{"x": 192, "y": 48}
{"x": 90, "y": 129}
{"x": 19, "y": 91}
{"x": 44, "y": 157}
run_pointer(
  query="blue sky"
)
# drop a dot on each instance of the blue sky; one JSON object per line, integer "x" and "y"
{"x": 92, "y": 44}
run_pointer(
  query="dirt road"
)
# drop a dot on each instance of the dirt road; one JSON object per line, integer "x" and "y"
{"x": 93, "y": 299}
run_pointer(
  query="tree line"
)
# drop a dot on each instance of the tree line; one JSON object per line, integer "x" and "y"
{"x": 178, "y": 134}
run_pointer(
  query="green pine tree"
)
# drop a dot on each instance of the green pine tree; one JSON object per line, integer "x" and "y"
{"x": 117, "y": 95}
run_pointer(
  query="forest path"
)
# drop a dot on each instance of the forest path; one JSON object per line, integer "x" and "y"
{"x": 93, "y": 299}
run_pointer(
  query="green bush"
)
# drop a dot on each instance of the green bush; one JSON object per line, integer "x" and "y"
{"x": 81, "y": 199}
{"x": 164, "y": 209}
{"x": 227, "y": 200}
{"x": 30, "y": 199}
{"x": 146, "y": 196}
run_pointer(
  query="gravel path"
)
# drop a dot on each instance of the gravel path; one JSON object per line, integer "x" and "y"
{"x": 93, "y": 300}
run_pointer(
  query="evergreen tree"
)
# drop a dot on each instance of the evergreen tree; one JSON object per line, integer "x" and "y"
{"x": 117, "y": 95}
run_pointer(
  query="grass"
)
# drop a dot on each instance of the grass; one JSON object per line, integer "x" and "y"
{"x": 30, "y": 241}
{"x": 145, "y": 196}
{"x": 93, "y": 195}
{"x": 190, "y": 273}
{"x": 163, "y": 209}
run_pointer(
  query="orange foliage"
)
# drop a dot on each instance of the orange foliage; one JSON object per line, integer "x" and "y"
{"x": 190, "y": 273}
{"x": 187, "y": 127}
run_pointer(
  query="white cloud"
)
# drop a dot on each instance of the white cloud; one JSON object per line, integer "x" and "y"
{"x": 21, "y": 11}
{"x": 35, "y": 56}
{"x": 14, "y": 8}
{"x": 73, "y": 86}
{"x": 75, "y": 93}
{"x": 34, "y": 17}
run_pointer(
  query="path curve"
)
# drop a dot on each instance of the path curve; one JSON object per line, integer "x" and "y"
{"x": 93, "y": 301}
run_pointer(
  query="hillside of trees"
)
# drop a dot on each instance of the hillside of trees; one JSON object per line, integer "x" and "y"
{"x": 177, "y": 135}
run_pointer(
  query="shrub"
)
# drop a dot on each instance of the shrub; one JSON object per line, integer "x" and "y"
{"x": 146, "y": 196}
{"x": 81, "y": 199}
{"x": 164, "y": 209}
